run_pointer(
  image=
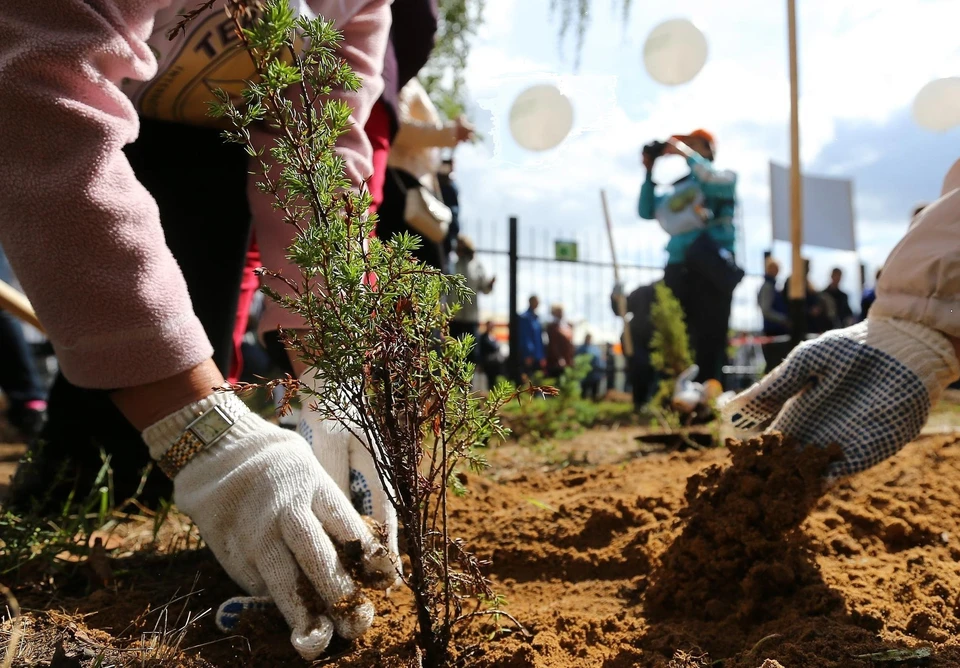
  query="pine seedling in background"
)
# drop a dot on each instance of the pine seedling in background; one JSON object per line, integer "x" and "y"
{"x": 670, "y": 351}
{"x": 386, "y": 377}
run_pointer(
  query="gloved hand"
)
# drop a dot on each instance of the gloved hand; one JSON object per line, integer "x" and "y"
{"x": 687, "y": 393}
{"x": 350, "y": 463}
{"x": 278, "y": 524}
{"x": 867, "y": 388}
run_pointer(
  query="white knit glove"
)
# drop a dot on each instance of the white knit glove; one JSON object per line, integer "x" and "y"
{"x": 278, "y": 524}
{"x": 349, "y": 462}
{"x": 867, "y": 388}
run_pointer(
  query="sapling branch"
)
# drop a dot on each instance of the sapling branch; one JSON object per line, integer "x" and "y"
{"x": 386, "y": 378}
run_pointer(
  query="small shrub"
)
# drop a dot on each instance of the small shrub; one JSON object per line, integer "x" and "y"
{"x": 386, "y": 376}
{"x": 670, "y": 352}
{"x": 568, "y": 414}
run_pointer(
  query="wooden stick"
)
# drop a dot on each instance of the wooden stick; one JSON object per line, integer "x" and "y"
{"x": 15, "y": 302}
{"x": 798, "y": 282}
{"x": 622, "y": 299}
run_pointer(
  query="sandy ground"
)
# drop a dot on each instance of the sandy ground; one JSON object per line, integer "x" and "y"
{"x": 610, "y": 553}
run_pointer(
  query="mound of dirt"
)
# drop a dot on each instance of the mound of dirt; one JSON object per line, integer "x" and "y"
{"x": 673, "y": 560}
{"x": 741, "y": 558}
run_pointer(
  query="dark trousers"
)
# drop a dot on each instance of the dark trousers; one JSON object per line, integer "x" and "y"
{"x": 642, "y": 378}
{"x": 19, "y": 379}
{"x": 199, "y": 183}
{"x": 707, "y": 313}
{"x": 391, "y": 220}
{"x": 774, "y": 353}
{"x": 590, "y": 388}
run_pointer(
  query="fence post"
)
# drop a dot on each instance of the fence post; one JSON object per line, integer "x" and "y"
{"x": 514, "y": 361}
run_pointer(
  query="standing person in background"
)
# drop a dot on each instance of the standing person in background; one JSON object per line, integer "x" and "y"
{"x": 490, "y": 354}
{"x": 559, "y": 343}
{"x": 467, "y": 319}
{"x": 532, "y": 353}
{"x": 412, "y": 35}
{"x": 450, "y": 194}
{"x": 640, "y": 372}
{"x": 610, "y": 362}
{"x": 869, "y": 296}
{"x": 843, "y": 314}
{"x": 818, "y": 315}
{"x": 701, "y": 203}
{"x": 590, "y": 385}
{"x": 773, "y": 306}
{"x": 414, "y": 161}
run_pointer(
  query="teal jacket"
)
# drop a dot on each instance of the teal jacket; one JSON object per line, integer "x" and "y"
{"x": 719, "y": 197}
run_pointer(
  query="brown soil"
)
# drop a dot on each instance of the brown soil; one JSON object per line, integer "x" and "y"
{"x": 677, "y": 560}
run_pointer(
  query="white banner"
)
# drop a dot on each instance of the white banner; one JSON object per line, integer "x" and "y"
{"x": 827, "y": 210}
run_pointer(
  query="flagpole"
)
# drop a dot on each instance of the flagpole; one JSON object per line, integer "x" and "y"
{"x": 798, "y": 278}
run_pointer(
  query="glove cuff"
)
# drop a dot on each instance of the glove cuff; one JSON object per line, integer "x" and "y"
{"x": 161, "y": 435}
{"x": 923, "y": 350}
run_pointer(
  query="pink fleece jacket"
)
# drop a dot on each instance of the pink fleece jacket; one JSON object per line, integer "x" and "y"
{"x": 81, "y": 233}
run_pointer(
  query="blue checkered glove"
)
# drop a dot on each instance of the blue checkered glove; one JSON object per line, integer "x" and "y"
{"x": 868, "y": 388}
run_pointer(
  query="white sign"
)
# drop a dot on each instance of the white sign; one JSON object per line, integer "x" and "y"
{"x": 827, "y": 210}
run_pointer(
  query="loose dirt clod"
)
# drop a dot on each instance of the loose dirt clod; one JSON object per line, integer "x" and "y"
{"x": 741, "y": 554}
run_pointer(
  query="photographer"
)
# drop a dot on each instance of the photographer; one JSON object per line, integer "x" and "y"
{"x": 697, "y": 212}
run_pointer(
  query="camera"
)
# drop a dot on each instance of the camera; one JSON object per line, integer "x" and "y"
{"x": 654, "y": 149}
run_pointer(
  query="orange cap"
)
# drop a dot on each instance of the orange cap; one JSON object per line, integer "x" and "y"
{"x": 703, "y": 134}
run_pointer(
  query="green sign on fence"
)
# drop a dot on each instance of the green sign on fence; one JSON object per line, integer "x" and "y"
{"x": 565, "y": 251}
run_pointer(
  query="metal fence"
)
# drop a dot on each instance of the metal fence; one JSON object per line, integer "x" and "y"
{"x": 583, "y": 286}
{"x": 545, "y": 266}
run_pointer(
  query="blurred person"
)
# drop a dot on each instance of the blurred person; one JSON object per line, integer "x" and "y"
{"x": 412, "y": 34}
{"x": 559, "y": 342}
{"x": 697, "y": 212}
{"x": 776, "y": 321}
{"x": 532, "y": 353}
{"x": 869, "y": 388}
{"x": 641, "y": 374}
{"x": 590, "y": 385}
{"x": 610, "y": 360}
{"x": 467, "y": 319}
{"x": 20, "y": 381}
{"x": 450, "y": 194}
{"x": 413, "y": 162}
{"x": 490, "y": 354}
{"x": 818, "y": 312}
{"x": 842, "y": 313}
{"x": 869, "y": 296}
{"x": 134, "y": 276}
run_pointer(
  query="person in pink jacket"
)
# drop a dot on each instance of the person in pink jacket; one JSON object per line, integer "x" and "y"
{"x": 870, "y": 387}
{"x": 85, "y": 237}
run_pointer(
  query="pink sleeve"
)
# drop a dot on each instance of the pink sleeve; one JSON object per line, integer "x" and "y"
{"x": 82, "y": 234}
{"x": 364, "y": 45}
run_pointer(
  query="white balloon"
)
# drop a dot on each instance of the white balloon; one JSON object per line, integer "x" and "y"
{"x": 675, "y": 52}
{"x": 937, "y": 106}
{"x": 541, "y": 117}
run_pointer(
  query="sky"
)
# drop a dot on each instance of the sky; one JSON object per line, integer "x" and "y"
{"x": 861, "y": 64}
